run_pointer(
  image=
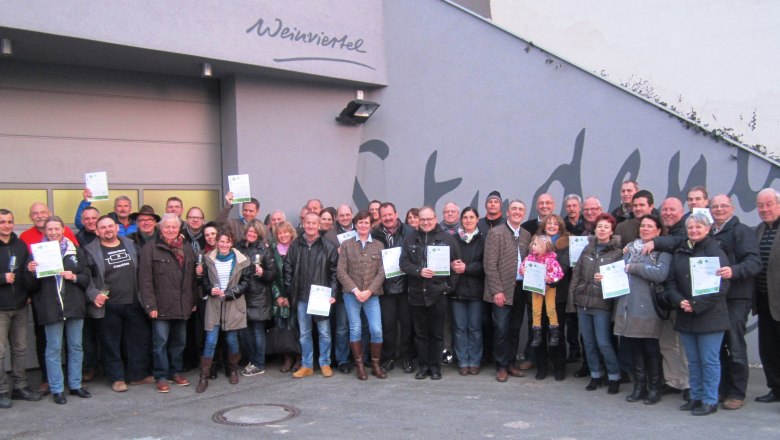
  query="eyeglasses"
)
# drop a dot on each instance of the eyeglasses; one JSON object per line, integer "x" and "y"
{"x": 192, "y": 217}
{"x": 720, "y": 207}
{"x": 591, "y": 209}
{"x": 427, "y": 220}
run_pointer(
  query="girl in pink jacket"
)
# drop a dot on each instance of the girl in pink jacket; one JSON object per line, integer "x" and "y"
{"x": 543, "y": 252}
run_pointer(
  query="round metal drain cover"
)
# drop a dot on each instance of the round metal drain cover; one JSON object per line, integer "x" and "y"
{"x": 255, "y": 414}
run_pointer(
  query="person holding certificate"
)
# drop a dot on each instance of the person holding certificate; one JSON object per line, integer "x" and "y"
{"x": 704, "y": 317}
{"x": 635, "y": 315}
{"x": 594, "y": 313}
{"x": 60, "y": 304}
{"x": 425, "y": 258}
{"x": 362, "y": 274}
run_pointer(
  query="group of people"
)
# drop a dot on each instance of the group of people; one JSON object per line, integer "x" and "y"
{"x": 145, "y": 297}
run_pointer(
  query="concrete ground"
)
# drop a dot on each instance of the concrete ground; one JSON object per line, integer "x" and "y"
{"x": 399, "y": 407}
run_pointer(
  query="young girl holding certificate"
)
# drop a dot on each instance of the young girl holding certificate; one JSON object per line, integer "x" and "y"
{"x": 543, "y": 252}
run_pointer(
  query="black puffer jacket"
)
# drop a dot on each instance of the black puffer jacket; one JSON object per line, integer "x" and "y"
{"x": 414, "y": 258}
{"x": 710, "y": 313}
{"x": 585, "y": 291}
{"x": 397, "y": 284}
{"x": 306, "y": 265}
{"x": 13, "y": 296}
{"x": 471, "y": 285}
{"x": 741, "y": 246}
{"x": 70, "y": 302}
{"x": 258, "y": 294}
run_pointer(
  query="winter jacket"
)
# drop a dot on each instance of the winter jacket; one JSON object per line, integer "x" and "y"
{"x": 553, "y": 269}
{"x": 562, "y": 256}
{"x": 70, "y": 302}
{"x": 228, "y": 311}
{"x": 584, "y": 290}
{"x": 741, "y": 247}
{"x": 360, "y": 267}
{"x": 397, "y": 284}
{"x": 471, "y": 285}
{"x": 165, "y": 286}
{"x": 635, "y": 315}
{"x": 259, "y": 296}
{"x": 710, "y": 313}
{"x": 13, "y": 296}
{"x": 414, "y": 258}
{"x": 309, "y": 264}
{"x": 772, "y": 272}
{"x": 501, "y": 259}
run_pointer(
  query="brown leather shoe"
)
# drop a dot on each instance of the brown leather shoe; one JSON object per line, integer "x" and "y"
{"x": 162, "y": 386}
{"x": 501, "y": 375}
{"x": 88, "y": 375}
{"x": 515, "y": 372}
{"x": 119, "y": 386}
{"x": 732, "y": 404}
{"x": 148, "y": 380}
{"x": 303, "y": 372}
{"x": 526, "y": 365}
{"x": 44, "y": 389}
{"x": 180, "y": 380}
{"x": 326, "y": 371}
{"x": 474, "y": 370}
{"x": 463, "y": 371}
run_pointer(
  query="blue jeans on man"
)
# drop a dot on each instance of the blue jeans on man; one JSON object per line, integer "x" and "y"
{"x": 169, "y": 337}
{"x": 307, "y": 346}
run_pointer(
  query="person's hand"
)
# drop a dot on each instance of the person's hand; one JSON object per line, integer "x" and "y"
{"x": 627, "y": 269}
{"x": 521, "y": 270}
{"x": 282, "y": 302}
{"x": 499, "y": 299}
{"x": 194, "y": 309}
{"x": 549, "y": 279}
{"x": 648, "y": 247}
{"x": 216, "y": 291}
{"x": 426, "y": 273}
{"x": 87, "y": 194}
{"x": 32, "y": 266}
{"x": 724, "y": 272}
{"x": 68, "y": 275}
{"x": 258, "y": 270}
{"x": 10, "y": 277}
{"x": 458, "y": 266}
{"x": 153, "y": 314}
{"x": 100, "y": 300}
{"x": 598, "y": 277}
{"x": 332, "y": 300}
{"x": 198, "y": 269}
{"x": 229, "y": 198}
{"x": 625, "y": 250}
{"x": 685, "y": 305}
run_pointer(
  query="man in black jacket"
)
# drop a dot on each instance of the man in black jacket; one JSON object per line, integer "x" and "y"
{"x": 395, "y": 301}
{"x": 311, "y": 261}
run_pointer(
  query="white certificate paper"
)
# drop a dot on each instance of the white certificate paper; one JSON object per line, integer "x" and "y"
{"x": 390, "y": 260}
{"x": 705, "y": 211}
{"x": 615, "y": 281}
{"x": 703, "y": 278}
{"x": 439, "y": 260}
{"x": 319, "y": 301}
{"x": 239, "y": 186}
{"x": 97, "y": 183}
{"x": 47, "y": 255}
{"x": 576, "y": 246}
{"x": 533, "y": 279}
{"x": 346, "y": 236}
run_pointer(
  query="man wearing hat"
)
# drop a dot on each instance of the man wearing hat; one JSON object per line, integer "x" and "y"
{"x": 123, "y": 206}
{"x": 146, "y": 221}
{"x": 493, "y": 215}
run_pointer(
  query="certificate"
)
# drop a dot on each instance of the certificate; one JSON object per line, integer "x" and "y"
{"x": 97, "y": 184}
{"x": 239, "y": 186}
{"x": 439, "y": 260}
{"x": 47, "y": 255}
{"x": 533, "y": 279}
{"x": 703, "y": 278}
{"x": 704, "y": 211}
{"x": 319, "y": 301}
{"x": 615, "y": 281}
{"x": 390, "y": 260}
{"x": 576, "y": 246}
{"x": 346, "y": 236}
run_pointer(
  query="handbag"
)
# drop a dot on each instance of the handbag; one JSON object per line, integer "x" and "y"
{"x": 661, "y": 303}
{"x": 282, "y": 340}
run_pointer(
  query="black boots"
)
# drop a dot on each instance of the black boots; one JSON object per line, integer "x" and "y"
{"x": 640, "y": 384}
{"x": 555, "y": 336}
{"x": 537, "y": 337}
{"x": 654, "y": 382}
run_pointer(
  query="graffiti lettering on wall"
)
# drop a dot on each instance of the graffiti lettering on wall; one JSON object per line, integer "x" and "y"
{"x": 569, "y": 176}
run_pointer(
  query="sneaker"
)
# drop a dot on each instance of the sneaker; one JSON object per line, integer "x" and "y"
{"x": 303, "y": 372}
{"x": 180, "y": 380}
{"x": 162, "y": 386}
{"x": 119, "y": 386}
{"x": 326, "y": 371}
{"x": 251, "y": 370}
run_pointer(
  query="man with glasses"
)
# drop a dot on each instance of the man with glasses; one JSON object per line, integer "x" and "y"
{"x": 146, "y": 220}
{"x": 545, "y": 205}
{"x": 591, "y": 209}
{"x": 451, "y": 214}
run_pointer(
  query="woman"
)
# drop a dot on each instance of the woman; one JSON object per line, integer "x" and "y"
{"x": 413, "y": 217}
{"x": 593, "y": 311}
{"x": 210, "y": 237}
{"x": 362, "y": 274}
{"x": 60, "y": 303}
{"x": 554, "y": 227}
{"x": 635, "y": 316}
{"x": 704, "y": 318}
{"x": 258, "y": 293}
{"x": 227, "y": 276}
{"x": 327, "y": 217}
{"x": 284, "y": 234}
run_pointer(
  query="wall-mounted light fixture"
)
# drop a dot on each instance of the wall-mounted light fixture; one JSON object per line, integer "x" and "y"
{"x": 357, "y": 111}
{"x": 6, "y": 47}
{"x": 205, "y": 70}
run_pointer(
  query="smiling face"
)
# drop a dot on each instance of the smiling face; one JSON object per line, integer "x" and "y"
{"x": 768, "y": 208}
{"x": 388, "y": 216}
{"x": 591, "y": 210}
{"x": 627, "y": 191}
{"x": 249, "y": 211}
{"x": 697, "y": 199}
{"x": 89, "y": 219}
{"x": 515, "y": 214}
{"x": 169, "y": 229}
{"x": 195, "y": 219}
{"x": 344, "y": 216}
{"x": 551, "y": 227}
{"x": 603, "y": 231}
{"x": 146, "y": 224}
{"x": 107, "y": 230}
{"x": 53, "y": 230}
{"x": 545, "y": 205}
{"x": 641, "y": 207}
{"x": 648, "y": 229}
{"x": 210, "y": 235}
{"x": 696, "y": 231}
{"x": 413, "y": 220}
{"x": 38, "y": 214}
{"x": 283, "y": 236}
{"x": 427, "y": 219}
{"x": 224, "y": 243}
{"x": 311, "y": 226}
{"x": 469, "y": 221}
{"x": 251, "y": 235}
{"x": 174, "y": 207}
{"x": 671, "y": 211}
{"x": 721, "y": 209}
{"x": 363, "y": 226}
{"x": 573, "y": 209}
{"x": 326, "y": 221}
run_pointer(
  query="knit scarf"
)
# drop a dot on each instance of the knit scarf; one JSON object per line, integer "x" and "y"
{"x": 177, "y": 247}
{"x": 467, "y": 236}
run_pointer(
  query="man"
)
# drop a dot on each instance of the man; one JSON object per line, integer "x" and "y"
{"x": 505, "y": 247}
{"x": 545, "y": 205}
{"x": 451, "y": 214}
{"x": 89, "y": 218}
{"x": 276, "y": 217}
{"x": 311, "y": 260}
{"x": 394, "y": 303}
{"x": 113, "y": 261}
{"x": 574, "y": 222}
{"x": 673, "y": 219}
{"x": 146, "y": 220}
{"x": 13, "y": 314}
{"x": 767, "y": 292}
{"x": 493, "y": 215}
{"x": 591, "y": 209}
{"x": 314, "y": 205}
{"x": 373, "y": 209}
{"x": 39, "y": 212}
{"x": 249, "y": 211}
{"x": 642, "y": 205}
{"x": 175, "y": 206}
{"x": 123, "y": 207}
{"x": 625, "y": 210}
{"x": 166, "y": 277}
{"x": 741, "y": 246}
{"x": 427, "y": 290}
{"x": 193, "y": 229}
{"x": 697, "y": 197}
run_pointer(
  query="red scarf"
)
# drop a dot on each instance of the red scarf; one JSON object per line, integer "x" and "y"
{"x": 177, "y": 246}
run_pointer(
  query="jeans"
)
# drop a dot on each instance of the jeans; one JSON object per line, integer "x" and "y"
{"x": 307, "y": 347}
{"x": 257, "y": 331}
{"x": 595, "y": 325}
{"x": 168, "y": 338}
{"x": 231, "y": 337}
{"x": 429, "y": 333}
{"x": 124, "y": 325}
{"x": 13, "y": 336}
{"x": 703, "y": 364}
{"x": 467, "y": 331}
{"x": 373, "y": 314}
{"x": 507, "y": 322}
{"x": 73, "y": 329}
{"x": 396, "y": 313}
{"x": 733, "y": 352}
{"x": 341, "y": 347}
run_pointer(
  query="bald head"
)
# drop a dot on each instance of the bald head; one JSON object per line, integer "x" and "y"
{"x": 39, "y": 212}
{"x": 671, "y": 211}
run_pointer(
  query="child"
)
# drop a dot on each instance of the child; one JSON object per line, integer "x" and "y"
{"x": 542, "y": 252}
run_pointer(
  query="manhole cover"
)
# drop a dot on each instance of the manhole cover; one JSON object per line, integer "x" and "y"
{"x": 256, "y": 414}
